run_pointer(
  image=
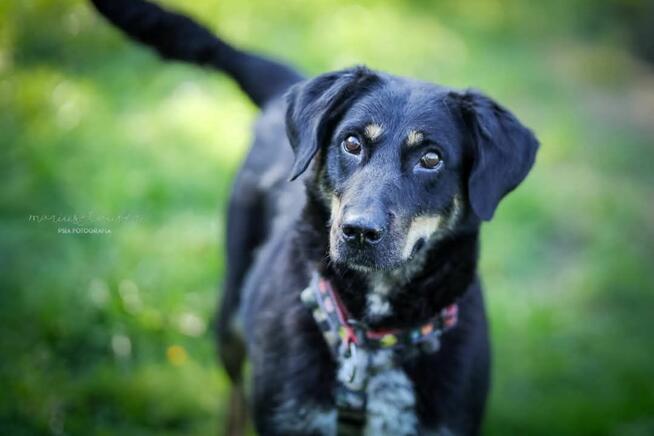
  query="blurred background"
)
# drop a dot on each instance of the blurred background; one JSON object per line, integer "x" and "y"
{"x": 110, "y": 332}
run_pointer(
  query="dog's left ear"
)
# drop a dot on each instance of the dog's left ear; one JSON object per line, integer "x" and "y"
{"x": 504, "y": 151}
{"x": 315, "y": 106}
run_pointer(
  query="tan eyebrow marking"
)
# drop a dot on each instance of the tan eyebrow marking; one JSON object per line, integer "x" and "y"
{"x": 414, "y": 138}
{"x": 373, "y": 131}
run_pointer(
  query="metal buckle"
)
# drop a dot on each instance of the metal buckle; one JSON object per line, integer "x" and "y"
{"x": 353, "y": 367}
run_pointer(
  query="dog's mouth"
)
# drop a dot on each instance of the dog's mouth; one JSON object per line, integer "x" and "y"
{"x": 361, "y": 259}
{"x": 379, "y": 258}
{"x": 388, "y": 254}
{"x": 369, "y": 263}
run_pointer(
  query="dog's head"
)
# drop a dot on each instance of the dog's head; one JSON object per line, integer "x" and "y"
{"x": 402, "y": 162}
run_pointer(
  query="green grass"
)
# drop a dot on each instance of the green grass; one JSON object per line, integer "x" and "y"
{"x": 111, "y": 333}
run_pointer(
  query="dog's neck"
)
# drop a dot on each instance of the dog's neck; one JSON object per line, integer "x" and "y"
{"x": 398, "y": 298}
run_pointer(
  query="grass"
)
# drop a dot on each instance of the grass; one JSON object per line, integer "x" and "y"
{"x": 111, "y": 333}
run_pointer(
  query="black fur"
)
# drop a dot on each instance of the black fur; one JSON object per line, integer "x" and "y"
{"x": 497, "y": 135}
{"x": 176, "y": 37}
{"x": 279, "y": 232}
{"x": 316, "y": 106}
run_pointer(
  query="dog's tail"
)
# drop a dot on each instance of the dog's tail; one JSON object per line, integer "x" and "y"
{"x": 177, "y": 37}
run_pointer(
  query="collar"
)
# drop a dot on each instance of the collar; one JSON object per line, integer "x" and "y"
{"x": 345, "y": 335}
{"x": 340, "y": 330}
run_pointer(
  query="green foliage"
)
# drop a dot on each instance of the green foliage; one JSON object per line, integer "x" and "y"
{"x": 111, "y": 333}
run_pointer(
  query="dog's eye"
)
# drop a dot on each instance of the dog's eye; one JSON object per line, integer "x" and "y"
{"x": 430, "y": 160}
{"x": 352, "y": 145}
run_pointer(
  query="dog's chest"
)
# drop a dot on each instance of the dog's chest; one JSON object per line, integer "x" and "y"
{"x": 391, "y": 401}
{"x": 389, "y": 408}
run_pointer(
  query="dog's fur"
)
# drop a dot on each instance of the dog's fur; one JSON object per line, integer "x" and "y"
{"x": 422, "y": 254}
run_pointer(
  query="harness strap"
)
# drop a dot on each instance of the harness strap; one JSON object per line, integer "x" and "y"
{"x": 350, "y": 422}
{"x": 351, "y": 342}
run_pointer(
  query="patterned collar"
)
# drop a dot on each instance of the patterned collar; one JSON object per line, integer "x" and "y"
{"x": 340, "y": 329}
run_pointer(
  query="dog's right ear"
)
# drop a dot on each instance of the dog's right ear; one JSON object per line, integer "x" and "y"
{"x": 316, "y": 105}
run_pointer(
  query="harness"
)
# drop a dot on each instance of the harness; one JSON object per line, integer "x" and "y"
{"x": 352, "y": 344}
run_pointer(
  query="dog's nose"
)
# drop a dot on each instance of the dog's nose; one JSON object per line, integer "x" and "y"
{"x": 360, "y": 229}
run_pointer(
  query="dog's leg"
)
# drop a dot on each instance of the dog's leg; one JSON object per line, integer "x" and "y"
{"x": 245, "y": 231}
{"x": 237, "y": 412}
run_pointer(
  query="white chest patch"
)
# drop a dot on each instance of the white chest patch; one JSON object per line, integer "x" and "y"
{"x": 391, "y": 404}
{"x": 378, "y": 305}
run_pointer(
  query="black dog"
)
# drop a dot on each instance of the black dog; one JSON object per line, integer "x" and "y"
{"x": 381, "y": 234}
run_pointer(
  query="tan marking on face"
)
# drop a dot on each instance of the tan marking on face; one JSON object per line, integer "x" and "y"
{"x": 335, "y": 211}
{"x": 414, "y": 138}
{"x": 373, "y": 131}
{"x": 336, "y": 207}
{"x": 456, "y": 212}
{"x": 421, "y": 227}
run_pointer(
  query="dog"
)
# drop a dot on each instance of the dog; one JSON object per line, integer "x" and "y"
{"x": 352, "y": 241}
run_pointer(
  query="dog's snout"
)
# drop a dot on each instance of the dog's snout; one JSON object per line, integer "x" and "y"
{"x": 362, "y": 229}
